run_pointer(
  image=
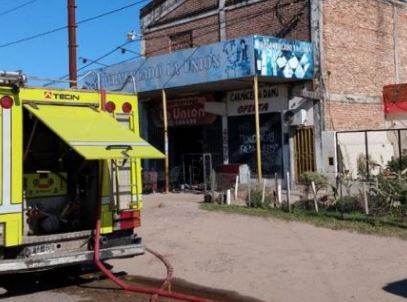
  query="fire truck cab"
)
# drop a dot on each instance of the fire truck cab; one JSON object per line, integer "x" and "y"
{"x": 63, "y": 153}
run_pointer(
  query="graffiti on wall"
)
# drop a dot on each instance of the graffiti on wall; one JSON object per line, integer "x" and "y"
{"x": 242, "y": 142}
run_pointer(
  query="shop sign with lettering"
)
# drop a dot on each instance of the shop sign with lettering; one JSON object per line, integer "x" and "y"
{"x": 271, "y": 99}
{"x": 186, "y": 112}
{"x": 231, "y": 59}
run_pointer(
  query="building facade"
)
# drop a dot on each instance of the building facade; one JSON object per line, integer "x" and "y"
{"x": 320, "y": 68}
{"x": 170, "y": 26}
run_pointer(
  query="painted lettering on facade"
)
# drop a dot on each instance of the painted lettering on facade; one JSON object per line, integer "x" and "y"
{"x": 271, "y": 99}
{"x": 235, "y": 58}
{"x": 186, "y": 112}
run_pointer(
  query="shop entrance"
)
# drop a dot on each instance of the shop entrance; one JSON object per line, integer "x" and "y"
{"x": 186, "y": 149}
{"x": 304, "y": 151}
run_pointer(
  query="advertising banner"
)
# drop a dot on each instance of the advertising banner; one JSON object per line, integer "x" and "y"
{"x": 282, "y": 58}
{"x": 215, "y": 62}
{"x": 231, "y": 59}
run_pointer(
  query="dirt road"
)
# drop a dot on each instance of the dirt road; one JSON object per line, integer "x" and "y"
{"x": 267, "y": 259}
{"x": 258, "y": 258}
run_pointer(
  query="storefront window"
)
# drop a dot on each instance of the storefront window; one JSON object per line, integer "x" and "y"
{"x": 242, "y": 142}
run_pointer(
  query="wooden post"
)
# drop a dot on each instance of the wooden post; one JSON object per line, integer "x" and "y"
{"x": 276, "y": 197}
{"x": 365, "y": 199}
{"x": 341, "y": 197}
{"x": 166, "y": 163}
{"x": 367, "y": 156}
{"x": 279, "y": 193}
{"x": 314, "y": 190}
{"x": 258, "y": 138}
{"x": 288, "y": 192}
{"x": 249, "y": 195}
{"x": 263, "y": 191}
{"x": 236, "y": 186}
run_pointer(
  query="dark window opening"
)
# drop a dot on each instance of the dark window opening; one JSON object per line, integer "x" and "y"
{"x": 181, "y": 40}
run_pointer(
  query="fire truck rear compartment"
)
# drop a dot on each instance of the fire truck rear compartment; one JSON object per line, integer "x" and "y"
{"x": 60, "y": 186}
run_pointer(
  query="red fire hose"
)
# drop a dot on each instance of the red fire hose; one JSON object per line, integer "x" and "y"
{"x": 142, "y": 290}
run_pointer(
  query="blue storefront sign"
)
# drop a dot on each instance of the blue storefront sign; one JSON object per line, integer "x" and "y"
{"x": 231, "y": 59}
{"x": 283, "y": 58}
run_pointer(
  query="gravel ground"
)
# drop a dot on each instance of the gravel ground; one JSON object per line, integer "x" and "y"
{"x": 246, "y": 258}
{"x": 265, "y": 258}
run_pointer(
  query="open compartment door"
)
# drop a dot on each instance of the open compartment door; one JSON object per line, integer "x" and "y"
{"x": 92, "y": 133}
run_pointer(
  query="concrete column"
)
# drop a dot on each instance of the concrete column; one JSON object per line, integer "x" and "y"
{"x": 222, "y": 20}
{"x": 395, "y": 44}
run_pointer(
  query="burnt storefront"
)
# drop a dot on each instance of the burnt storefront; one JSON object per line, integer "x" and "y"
{"x": 213, "y": 114}
{"x": 192, "y": 133}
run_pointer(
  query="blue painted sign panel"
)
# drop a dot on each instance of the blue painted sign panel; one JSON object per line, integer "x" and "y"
{"x": 231, "y": 59}
{"x": 215, "y": 62}
{"x": 282, "y": 58}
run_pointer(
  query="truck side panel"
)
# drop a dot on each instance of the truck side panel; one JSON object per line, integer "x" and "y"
{"x": 17, "y": 153}
{"x": 11, "y": 172}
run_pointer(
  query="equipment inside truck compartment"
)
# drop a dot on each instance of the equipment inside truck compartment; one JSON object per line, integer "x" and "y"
{"x": 60, "y": 186}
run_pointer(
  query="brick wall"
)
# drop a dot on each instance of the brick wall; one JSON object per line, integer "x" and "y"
{"x": 402, "y": 33}
{"x": 190, "y": 7}
{"x": 359, "y": 59}
{"x": 351, "y": 116}
{"x": 272, "y": 17}
{"x": 263, "y": 17}
{"x": 204, "y": 31}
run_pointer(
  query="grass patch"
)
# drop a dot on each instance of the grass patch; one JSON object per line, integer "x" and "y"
{"x": 384, "y": 226}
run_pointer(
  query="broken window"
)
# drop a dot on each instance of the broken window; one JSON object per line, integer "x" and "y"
{"x": 181, "y": 40}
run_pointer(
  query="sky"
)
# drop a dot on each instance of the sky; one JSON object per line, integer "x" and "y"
{"x": 47, "y": 56}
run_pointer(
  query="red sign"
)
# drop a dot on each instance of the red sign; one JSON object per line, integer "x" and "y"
{"x": 395, "y": 99}
{"x": 187, "y": 112}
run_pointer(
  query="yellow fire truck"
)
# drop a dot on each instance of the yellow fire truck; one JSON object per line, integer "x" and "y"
{"x": 65, "y": 152}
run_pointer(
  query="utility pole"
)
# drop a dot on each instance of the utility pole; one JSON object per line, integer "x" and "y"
{"x": 72, "y": 43}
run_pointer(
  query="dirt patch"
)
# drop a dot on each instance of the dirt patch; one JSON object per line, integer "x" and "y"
{"x": 74, "y": 284}
{"x": 268, "y": 259}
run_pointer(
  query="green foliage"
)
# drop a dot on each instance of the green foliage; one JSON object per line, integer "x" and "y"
{"x": 256, "y": 202}
{"x": 390, "y": 196}
{"x": 347, "y": 204}
{"x": 386, "y": 225}
{"x": 361, "y": 165}
{"x": 396, "y": 165}
{"x": 320, "y": 180}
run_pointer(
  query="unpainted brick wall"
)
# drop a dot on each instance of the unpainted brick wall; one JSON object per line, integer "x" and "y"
{"x": 204, "y": 31}
{"x": 190, "y": 7}
{"x": 259, "y": 18}
{"x": 359, "y": 58}
{"x": 273, "y": 18}
{"x": 353, "y": 116}
{"x": 402, "y": 34}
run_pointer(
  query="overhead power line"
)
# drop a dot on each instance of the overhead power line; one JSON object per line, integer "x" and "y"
{"x": 17, "y": 7}
{"x": 96, "y": 61}
{"x": 213, "y": 27}
{"x": 110, "y": 12}
{"x": 45, "y": 33}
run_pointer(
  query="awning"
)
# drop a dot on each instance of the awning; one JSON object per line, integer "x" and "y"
{"x": 92, "y": 133}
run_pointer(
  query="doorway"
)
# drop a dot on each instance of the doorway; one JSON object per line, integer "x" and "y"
{"x": 304, "y": 151}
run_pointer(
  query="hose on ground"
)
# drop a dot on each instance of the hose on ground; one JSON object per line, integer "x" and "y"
{"x": 157, "y": 292}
